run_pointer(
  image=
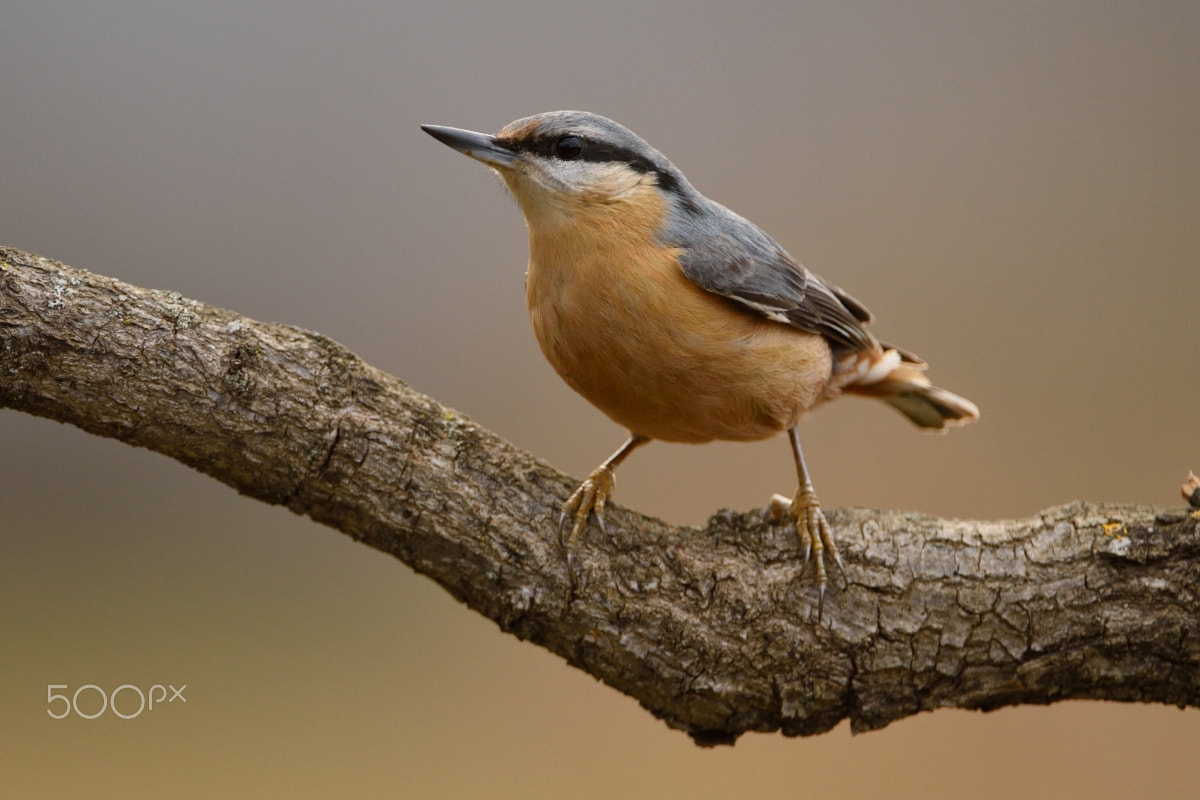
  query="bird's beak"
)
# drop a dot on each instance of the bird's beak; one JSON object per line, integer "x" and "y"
{"x": 478, "y": 146}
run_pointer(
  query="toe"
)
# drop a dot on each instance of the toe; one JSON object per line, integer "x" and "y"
{"x": 779, "y": 507}
{"x": 816, "y": 539}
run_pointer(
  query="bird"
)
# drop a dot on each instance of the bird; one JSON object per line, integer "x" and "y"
{"x": 679, "y": 319}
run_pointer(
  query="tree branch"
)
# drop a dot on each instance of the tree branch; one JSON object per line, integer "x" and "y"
{"x": 711, "y": 630}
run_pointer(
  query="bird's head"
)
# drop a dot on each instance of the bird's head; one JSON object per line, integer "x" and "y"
{"x": 566, "y": 165}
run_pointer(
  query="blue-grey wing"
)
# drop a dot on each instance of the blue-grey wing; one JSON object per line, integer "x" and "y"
{"x": 730, "y": 256}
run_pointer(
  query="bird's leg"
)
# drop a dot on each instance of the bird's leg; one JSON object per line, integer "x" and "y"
{"x": 804, "y": 510}
{"x": 592, "y": 495}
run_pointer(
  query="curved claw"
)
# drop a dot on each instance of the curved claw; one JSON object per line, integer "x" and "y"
{"x": 591, "y": 496}
{"x": 816, "y": 538}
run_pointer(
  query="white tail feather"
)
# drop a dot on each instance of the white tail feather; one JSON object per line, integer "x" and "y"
{"x": 902, "y": 384}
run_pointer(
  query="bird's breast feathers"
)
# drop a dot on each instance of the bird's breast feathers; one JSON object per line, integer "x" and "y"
{"x": 625, "y": 327}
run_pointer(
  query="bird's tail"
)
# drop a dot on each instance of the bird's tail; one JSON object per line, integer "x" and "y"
{"x": 898, "y": 378}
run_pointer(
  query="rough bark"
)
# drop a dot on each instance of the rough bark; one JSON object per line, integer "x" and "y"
{"x": 710, "y": 629}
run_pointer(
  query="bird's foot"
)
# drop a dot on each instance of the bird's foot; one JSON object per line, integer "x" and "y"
{"x": 804, "y": 511}
{"x": 591, "y": 496}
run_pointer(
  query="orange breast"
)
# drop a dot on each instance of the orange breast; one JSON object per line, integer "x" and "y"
{"x": 624, "y": 327}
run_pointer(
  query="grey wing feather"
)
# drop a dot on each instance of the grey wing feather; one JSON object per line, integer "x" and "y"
{"x": 731, "y": 256}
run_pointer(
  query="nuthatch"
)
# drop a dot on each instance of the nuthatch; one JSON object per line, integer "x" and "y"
{"x": 676, "y": 317}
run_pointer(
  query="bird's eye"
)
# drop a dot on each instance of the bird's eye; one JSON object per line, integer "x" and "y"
{"x": 568, "y": 147}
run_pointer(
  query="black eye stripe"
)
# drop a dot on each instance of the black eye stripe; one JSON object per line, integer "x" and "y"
{"x": 592, "y": 151}
{"x": 599, "y": 152}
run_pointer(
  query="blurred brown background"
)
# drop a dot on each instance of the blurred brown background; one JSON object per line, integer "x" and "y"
{"x": 1013, "y": 189}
